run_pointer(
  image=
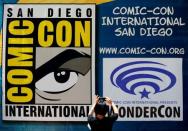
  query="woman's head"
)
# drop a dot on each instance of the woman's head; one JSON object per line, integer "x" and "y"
{"x": 101, "y": 110}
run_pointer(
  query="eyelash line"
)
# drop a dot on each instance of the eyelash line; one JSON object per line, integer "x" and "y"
{"x": 60, "y": 91}
{"x": 47, "y": 98}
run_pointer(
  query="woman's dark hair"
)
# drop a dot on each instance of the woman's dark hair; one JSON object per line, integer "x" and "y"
{"x": 101, "y": 108}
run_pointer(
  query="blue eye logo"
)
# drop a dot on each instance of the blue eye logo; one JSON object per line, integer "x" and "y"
{"x": 145, "y": 75}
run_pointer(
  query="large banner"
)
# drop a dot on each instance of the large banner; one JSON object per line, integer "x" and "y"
{"x": 48, "y": 61}
{"x": 57, "y": 55}
{"x": 143, "y": 60}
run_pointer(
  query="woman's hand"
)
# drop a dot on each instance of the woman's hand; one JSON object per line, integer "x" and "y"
{"x": 108, "y": 101}
{"x": 97, "y": 99}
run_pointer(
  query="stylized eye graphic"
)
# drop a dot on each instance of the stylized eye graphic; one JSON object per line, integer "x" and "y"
{"x": 58, "y": 81}
{"x": 62, "y": 72}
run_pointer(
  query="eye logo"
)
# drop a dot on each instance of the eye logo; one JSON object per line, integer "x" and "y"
{"x": 58, "y": 81}
{"x": 143, "y": 78}
{"x": 61, "y": 74}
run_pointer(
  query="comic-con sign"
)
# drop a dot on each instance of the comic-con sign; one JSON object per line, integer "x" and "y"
{"x": 48, "y": 61}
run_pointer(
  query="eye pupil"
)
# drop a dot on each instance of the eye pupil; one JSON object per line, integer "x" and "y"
{"x": 61, "y": 76}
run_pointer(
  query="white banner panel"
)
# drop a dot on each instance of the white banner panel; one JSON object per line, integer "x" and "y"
{"x": 145, "y": 89}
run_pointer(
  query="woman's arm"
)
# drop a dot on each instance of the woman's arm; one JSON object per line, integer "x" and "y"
{"x": 110, "y": 103}
{"x": 93, "y": 106}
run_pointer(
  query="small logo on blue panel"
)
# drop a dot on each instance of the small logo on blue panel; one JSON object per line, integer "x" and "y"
{"x": 144, "y": 78}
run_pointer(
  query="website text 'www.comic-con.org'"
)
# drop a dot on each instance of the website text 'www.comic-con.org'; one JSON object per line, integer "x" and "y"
{"x": 142, "y": 51}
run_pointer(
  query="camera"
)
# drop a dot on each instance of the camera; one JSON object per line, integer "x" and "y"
{"x": 102, "y": 100}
